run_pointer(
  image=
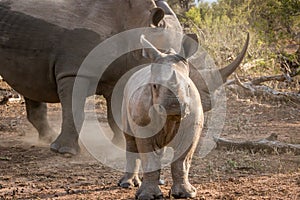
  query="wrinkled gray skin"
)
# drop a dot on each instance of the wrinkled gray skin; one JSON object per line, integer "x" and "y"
{"x": 43, "y": 43}
{"x": 157, "y": 93}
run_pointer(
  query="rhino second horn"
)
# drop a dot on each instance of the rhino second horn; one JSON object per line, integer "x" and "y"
{"x": 228, "y": 70}
{"x": 173, "y": 78}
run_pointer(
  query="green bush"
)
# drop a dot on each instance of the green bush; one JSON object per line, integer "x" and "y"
{"x": 222, "y": 27}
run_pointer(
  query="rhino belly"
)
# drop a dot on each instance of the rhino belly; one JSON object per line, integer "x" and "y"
{"x": 27, "y": 50}
{"x": 33, "y": 78}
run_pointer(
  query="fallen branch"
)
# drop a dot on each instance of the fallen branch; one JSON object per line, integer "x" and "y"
{"x": 269, "y": 145}
{"x": 262, "y": 79}
{"x": 245, "y": 86}
{"x": 253, "y": 89}
{"x": 259, "y": 80}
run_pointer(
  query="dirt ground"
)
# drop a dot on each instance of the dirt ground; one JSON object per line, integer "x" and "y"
{"x": 29, "y": 170}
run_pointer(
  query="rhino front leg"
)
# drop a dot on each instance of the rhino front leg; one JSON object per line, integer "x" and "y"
{"x": 181, "y": 186}
{"x": 72, "y": 114}
{"x": 37, "y": 116}
{"x": 131, "y": 177}
{"x": 180, "y": 168}
{"x": 151, "y": 171}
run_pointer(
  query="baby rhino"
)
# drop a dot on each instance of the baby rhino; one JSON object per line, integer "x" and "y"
{"x": 161, "y": 107}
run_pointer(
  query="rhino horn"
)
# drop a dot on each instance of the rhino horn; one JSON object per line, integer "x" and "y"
{"x": 228, "y": 70}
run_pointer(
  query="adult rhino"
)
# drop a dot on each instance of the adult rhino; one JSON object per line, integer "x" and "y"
{"x": 43, "y": 43}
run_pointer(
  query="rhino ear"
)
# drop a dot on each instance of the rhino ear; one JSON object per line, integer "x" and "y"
{"x": 189, "y": 46}
{"x": 157, "y": 14}
{"x": 149, "y": 51}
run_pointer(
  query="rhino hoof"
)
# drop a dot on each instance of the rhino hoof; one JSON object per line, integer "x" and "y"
{"x": 126, "y": 182}
{"x": 56, "y": 147}
{"x": 148, "y": 192}
{"x": 149, "y": 197}
{"x": 125, "y": 185}
{"x": 182, "y": 195}
{"x": 183, "y": 191}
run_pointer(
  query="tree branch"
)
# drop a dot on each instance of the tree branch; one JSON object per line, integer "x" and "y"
{"x": 269, "y": 144}
{"x": 259, "y": 80}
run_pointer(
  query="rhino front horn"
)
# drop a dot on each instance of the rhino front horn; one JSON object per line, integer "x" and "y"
{"x": 228, "y": 70}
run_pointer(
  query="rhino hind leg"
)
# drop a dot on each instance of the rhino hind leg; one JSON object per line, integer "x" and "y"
{"x": 72, "y": 115}
{"x": 118, "y": 138}
{"x": 37, "y": 116}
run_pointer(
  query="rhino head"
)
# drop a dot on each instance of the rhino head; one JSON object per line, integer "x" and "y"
{"x": 206, "y": 81}
{"x": 169, "y": 81}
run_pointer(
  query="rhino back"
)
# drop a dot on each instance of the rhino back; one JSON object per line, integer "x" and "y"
{"x": 26, "y": 35}
{"x": 42, "y": 41}
{"x": 25, "y": 53}
{"x": 31, "y": 49}
{"x": 102, "y": 16}
{"x": 39, "y": 25}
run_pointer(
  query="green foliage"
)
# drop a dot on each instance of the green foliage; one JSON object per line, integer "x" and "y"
{"x": 180, "y": 6}
{"x": 222, "y": 25}
{"x": 274, "y": 19}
